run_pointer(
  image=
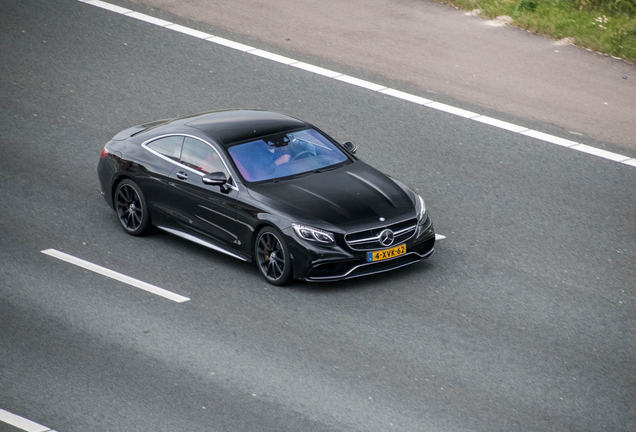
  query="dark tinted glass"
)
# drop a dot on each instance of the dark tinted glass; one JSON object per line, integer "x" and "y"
{"x": 168, "y": 146}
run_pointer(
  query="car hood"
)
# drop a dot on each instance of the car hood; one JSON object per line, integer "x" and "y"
{"x": 353, "y": 193}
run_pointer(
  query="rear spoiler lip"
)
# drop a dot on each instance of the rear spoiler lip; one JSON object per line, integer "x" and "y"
{"x": 132, "y": 131}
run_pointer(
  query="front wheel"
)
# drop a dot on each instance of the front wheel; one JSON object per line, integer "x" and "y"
{"x": 272, "y": 256}
{"x": 131, "y": 208}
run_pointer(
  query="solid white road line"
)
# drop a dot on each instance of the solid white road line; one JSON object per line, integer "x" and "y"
{"x": 316, "y": 69}
{"x": 107, "y": 6}
{"x": 149, "y": 19}
{"x": 21, "y": 422}
{"x": 406, "y": 96}
{"x": 500, "y": 124}
{"x": 452, "y": 110}
{"x": 274, "y": 57}
{"x": 549, "y": 138}
{"x": 600, "y": 153}
{"x": 439, "y": 237}
{"x": 231, "y": 44}
{"x": 114, "y": 275}
{"x": 369, "y": 85}
{"x": 189, "y": 31}
{"x": 360, "y": 83}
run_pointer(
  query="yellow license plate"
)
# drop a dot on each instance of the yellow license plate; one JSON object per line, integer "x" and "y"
{"x": 386, "y": 254}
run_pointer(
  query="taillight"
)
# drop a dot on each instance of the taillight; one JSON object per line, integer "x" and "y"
{"x": 104, "y": 153}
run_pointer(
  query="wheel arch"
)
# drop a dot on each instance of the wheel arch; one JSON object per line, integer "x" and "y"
{"x": 286, "y": 246}
{"x": 259, "y": 226}
{"x": 118, "y": 179}
{"x": 144, "y": 218}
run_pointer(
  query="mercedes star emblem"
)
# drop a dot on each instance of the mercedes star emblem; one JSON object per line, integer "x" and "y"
{"x": 386, "y": 237}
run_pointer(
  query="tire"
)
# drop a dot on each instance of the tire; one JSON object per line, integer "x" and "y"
{"x": 272, "y": 256}
{"x": 131, "y": 208}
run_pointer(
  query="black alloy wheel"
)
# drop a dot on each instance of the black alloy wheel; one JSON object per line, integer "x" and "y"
{"x": 131, "y": 209}
{"x": 272, "y": 256}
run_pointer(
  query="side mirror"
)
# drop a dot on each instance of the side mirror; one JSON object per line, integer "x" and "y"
{"x": 350, "y": 146}
{"x": 215, "y": 179}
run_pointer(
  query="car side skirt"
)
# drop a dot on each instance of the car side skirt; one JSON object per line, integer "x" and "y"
{"x": 200, "y": 241}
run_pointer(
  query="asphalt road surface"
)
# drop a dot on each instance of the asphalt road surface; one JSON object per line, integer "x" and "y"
{"x": 443, "y": 51}
{"x": 524, "y": 319}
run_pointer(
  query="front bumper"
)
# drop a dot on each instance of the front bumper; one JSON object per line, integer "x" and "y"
{"x": 317, "y": 265}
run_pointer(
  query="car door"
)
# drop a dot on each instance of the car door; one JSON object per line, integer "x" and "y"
{"x": 204, "y": 209}
{"x": 159, "y": 159}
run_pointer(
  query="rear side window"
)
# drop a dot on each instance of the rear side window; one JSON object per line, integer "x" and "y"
{"x": 168, "y": 146}
{"x": 200, "y": 156}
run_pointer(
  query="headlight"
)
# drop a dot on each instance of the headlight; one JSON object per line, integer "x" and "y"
{"x": 314, "y": 234}
{"x": 421, "y": 216}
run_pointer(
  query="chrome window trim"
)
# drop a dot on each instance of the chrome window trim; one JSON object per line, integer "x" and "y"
{"x": 179, "y": 164}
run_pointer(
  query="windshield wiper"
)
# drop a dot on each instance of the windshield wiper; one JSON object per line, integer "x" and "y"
{"x": 303, "y": 174}
{"x": 316, "y": 171}
{"x": 329, "y": 168}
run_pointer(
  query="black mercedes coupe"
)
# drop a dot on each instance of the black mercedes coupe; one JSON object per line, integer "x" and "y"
{"x": 266, "y": 188}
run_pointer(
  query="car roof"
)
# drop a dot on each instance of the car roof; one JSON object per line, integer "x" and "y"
{"x": 232, "y": 126}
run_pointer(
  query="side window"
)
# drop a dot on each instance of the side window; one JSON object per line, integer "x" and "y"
{"x": 200, "y": 156}
{"x": 168, "y": 146}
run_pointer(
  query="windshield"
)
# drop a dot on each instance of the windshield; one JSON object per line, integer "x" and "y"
{"x": 285, "y": 155}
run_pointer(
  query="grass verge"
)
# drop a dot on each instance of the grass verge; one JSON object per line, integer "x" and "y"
{"x": 606, "y": 26}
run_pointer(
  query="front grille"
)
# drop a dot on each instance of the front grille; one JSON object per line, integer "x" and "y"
{"x": 370, "y": 239}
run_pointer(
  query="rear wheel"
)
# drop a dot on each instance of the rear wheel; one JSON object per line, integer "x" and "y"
{"x": 131, "y": 208}
{"x": 272, "y": 256}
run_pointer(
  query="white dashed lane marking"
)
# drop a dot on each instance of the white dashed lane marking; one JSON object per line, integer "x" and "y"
{"x": 115, "y": 275}
{"x": 21, "y": 422}
{"x": 369, "y": 85}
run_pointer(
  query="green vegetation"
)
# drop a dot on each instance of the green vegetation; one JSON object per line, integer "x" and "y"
{"x": 607, "y": 26}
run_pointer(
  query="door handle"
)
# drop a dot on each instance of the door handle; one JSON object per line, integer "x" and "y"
{"x": 181, "y": 175}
